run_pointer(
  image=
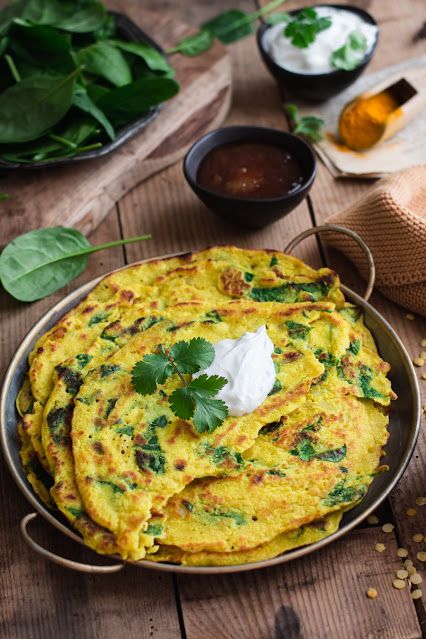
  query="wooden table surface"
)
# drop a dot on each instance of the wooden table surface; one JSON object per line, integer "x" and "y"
{"x": 322, "y": 595}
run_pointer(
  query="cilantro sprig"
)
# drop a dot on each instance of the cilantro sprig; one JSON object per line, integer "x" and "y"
{"x": 350, "y": 55}
{"x": 304, "y": 27}
{"x": 308, "y": 127}
{"x": 196, "y": 399}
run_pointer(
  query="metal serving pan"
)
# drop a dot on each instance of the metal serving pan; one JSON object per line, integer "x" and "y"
{"x": 404, "y": 428}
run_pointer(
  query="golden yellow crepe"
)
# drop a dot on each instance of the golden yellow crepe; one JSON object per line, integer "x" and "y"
{"x": 135, "y": 480}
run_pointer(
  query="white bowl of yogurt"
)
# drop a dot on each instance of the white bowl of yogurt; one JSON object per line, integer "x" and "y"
{"x": 317, "y": 71}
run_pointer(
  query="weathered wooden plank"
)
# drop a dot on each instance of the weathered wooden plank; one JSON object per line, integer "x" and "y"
{"x": 323, "y": 595}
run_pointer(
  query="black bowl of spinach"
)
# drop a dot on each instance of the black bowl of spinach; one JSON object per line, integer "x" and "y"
{"x": 76, "y": 82}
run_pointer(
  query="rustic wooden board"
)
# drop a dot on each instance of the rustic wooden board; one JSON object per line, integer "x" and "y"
{"x": 80, "y": 195}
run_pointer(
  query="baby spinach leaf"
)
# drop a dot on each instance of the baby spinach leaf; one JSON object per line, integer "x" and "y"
{"x": 230, "y": 26}
{"x": 194, "y": 45}
{"x": 308, "y": 127}
{"x": 351, "y": 54}
{"x": 126, "y": 103}
{"x": 81, "y": 17}
{"x": 153, "y": 59}
{"x": 83, "y": 101}
{"x": 276, "y": 18}
{"x": 31, "y": 107}
{"x": 38, "y": 263}
{"x": 104, "y": 60}
{"x": 10, "y": 12}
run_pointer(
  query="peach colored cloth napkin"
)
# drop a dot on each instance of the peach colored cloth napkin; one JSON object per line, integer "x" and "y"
{"x": 391, "y": 218}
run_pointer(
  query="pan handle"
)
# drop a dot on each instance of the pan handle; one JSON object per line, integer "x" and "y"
{"x": 340, "y": 229}
{"x": 62, "y": 561}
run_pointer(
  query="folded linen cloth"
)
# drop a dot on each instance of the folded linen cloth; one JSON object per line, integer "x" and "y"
{"x": 391, "y": 218}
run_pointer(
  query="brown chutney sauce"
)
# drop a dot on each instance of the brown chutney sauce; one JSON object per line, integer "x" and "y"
{"x": 250, "y": 169}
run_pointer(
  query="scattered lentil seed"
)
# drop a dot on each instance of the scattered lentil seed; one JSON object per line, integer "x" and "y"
{"x": 424, "y": 408}
{"x": 402, "y": 552}
{"x": 371, "y": 593}
{"x": 408, "y": 563}
{"x": 416, "y": 579}
{"x": 372, "y": 519}
{"x": 418, "y": 537}
{"x": 418, "y": 361}
{"x": 388, "y": 528}
{"x": 410, "y": 316}
{"x": 421, "y": 501}
{"x": 423, "y": 354}
{"x": 411, "y": 512}
{"x": 399, "y": 584}
{"x": 401, "y": 574}
{"x": 423, "y": 375}
{"x": 421, "y": 556}
{"x": 380, "y": 547}
{"x": 416, "y": 594}
{"x": 423, "y": 343}
{"x": 411, "y": 571}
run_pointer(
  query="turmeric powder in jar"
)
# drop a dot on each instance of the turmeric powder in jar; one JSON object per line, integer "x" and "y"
{"x": 363, "y": 121}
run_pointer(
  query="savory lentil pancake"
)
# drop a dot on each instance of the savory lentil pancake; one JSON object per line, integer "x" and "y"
{"x": 135, "y": 480}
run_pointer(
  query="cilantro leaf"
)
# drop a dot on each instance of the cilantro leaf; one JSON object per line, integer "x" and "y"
{"x": 350, "y": 55}
{"x": 190, "y": 357}
{"x": 308, "y": 127}
{"x": 196, "y": 400}
{"x": 305, "y": 26}
{"x": 209, "y": 414}
{"x": 150, "y": 371}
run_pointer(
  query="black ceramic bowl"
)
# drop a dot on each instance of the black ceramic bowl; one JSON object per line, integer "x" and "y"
{"x": 321, "y": 86}
{"x": 252, "y": 213}
{"x": 127, "y": 30}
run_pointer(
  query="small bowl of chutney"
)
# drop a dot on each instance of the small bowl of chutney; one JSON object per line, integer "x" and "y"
{"x": 250, "y": 176}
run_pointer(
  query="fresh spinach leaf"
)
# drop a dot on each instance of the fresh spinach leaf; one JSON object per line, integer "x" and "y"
{"x": 153, "y": 59}
{"x": 38, "y": 263}
{"x": 34, "y": 105}
{"x": 83, "y": 101}
{"x": 68, "y": 15}
{"x": 124, "y": 104}
{"x": 194, "y": 45}
{"x": 105, "y": 60}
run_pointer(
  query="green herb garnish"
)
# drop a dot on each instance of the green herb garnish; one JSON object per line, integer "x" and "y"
{"x": 39, "y": 263}
{"x": 308, "y": 127}
{"x": 64, "y": 71}
{"x": 303, "y": 28}
{"x": 196, "y": 399}
{"x": 350, "y": 55}
{"x": 228, "y": 27}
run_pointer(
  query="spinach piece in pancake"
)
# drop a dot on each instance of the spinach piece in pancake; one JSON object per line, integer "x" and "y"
{"x": 275, "y": 388}
{"x": 236, "y": 516}
{"x": 273, "y": 261}
{"x": 114, "y": 487}
{"x": 72, "y": 379}
{"x": 297, "y": 331}
{"x": 59, "y": 423}
{"x": 270, "y": 428}
{"x": 154, "y": 529}
{"x": 316, "y": 425}
{"x": 213, "y": 317}
{"x": 291, "y": 292}
{"x": 83, "y": 359}
{"x": 102, "y": 316}
{"x": 328, "y": 360}
{"x": 275, "y": 472}
{"x": 334, "y": 455}
{"x": 150, "y": 456}
{"x": 108, "y": 369}
{"x": 115, "y": 330}
{"x": 363, "y": 381}
{"x": 355, "y": 346}
{"x": 220, "y": 454}
{"x": 248, "y": 276}
{"x": 110, "y": 406}
{"x": 342, "y": 493}
{"x": 306, "y": 450}
{"x": 75, "y": 512}
{"x": 125, "y": 430}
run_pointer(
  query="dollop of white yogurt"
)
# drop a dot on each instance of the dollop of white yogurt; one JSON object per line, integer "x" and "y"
{"x": 316, "y": 58}
{"x": 248, "y": 366}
